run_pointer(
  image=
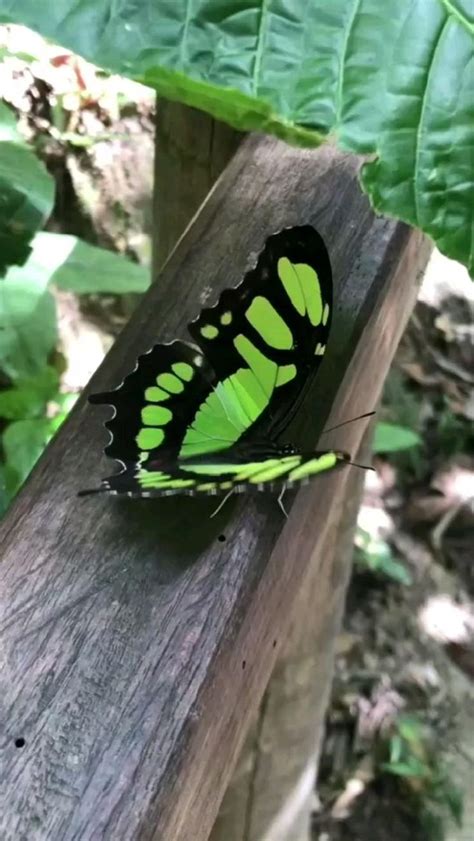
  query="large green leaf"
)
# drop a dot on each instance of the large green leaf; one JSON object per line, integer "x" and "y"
{"x": 391, "y": 438}
{"x": 26, "y": 193}
{"x": 23, "y": 441}
{"x": 387, "y": 78}
{"x": 84, "y": 268}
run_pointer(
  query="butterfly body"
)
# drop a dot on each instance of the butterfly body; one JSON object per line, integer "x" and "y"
{"x": 232, "y": 469}
{"x": 205, "y": 417}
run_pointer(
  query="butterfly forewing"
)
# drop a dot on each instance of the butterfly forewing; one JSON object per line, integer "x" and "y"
{"x": 274, "y": 325}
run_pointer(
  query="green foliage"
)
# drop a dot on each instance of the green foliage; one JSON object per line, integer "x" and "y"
{"x": 28, "y": 397}
{"x": 391, "y": 438}
{"x": 402, "y": 403}
{"x": 391, "y": 80}
{"x": 84, "y": 268}
{"x": 453, "y": 434}
{"x": 4, "y": 497}
{"x": 32, "y": 408}
{"x": 427, "y": 415}
{"x": 375, "y": 554}
{"x": 35, "y": 409}
{"x": 23, "y": 442}
{"x": 8, "y": 128}
{"x": 26, "y": 193}
{"x": 28, "y": 330}
{"x": 412, "y": 759}
{"x": 403, "y": 407}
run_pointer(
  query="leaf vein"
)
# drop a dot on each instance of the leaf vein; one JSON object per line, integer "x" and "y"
{"x": 345, "y": 47}
{"x": 421, "y": 119}
{"x": 453, "y": 11}
{"x": 259, "y": 51}
{"x": 184, "y": 36}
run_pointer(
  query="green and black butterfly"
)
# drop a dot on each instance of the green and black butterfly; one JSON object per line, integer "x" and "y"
{"x": 204, "y": 417}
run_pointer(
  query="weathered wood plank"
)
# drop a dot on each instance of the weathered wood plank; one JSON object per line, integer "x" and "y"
{"x": 138, "y": 637}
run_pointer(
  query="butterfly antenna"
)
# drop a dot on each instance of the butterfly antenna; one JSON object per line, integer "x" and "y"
{"x": 361, "y": 466}
{"x": 344, "y": 423}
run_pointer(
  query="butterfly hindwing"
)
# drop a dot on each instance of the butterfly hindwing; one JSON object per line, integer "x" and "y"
{"x": 156, "y": 402}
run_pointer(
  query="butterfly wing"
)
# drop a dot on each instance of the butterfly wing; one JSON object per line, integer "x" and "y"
{"x": 156, "y": 403}
{"x": 275, "y": 323}
{"x": 258, "y": 345}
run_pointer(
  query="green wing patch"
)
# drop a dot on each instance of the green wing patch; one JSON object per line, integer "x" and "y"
{"x": 302, "y": 286}
{"x": 263, "y": 316}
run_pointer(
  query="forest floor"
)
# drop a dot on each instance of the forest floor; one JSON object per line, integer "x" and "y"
{"x": 398, "y": 757}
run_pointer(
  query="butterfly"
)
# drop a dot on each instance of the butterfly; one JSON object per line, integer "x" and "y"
{"x": 205, "y": 417}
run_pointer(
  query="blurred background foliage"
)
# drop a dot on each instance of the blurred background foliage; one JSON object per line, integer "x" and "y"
{"x": 55, "y": 265}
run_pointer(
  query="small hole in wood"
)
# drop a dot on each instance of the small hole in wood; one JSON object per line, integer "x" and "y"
{"x": 19, "y": 743}
{"x": 274, "y": 643}
{"x": 244, "y": 663}
{"x": 221, "y": 538}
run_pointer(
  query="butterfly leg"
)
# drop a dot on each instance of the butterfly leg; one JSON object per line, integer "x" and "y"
{"x": 280, "y": 501}
{"x": 221, "y": 504}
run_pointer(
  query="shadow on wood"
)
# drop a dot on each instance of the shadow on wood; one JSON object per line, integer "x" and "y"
{"x": 137, "y": 644}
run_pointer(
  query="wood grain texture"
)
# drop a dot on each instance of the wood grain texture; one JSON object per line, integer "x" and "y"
{"x": 137, "y": 644}
{"x": 191, "y": 151}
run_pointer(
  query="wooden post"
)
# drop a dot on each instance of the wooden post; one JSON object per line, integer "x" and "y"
{"x": 138, "y": 638}
{"x": 271, "y": 793}
{"x": 191, "y": 150}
